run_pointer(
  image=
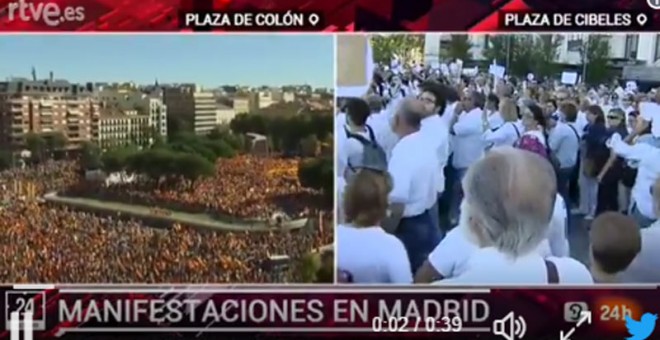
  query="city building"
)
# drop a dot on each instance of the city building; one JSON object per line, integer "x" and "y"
{"x": 150, "y": 104}
{"x": 246, "y": 102}
{"x": 47, "y": 107}
{"x": 193, "y": 106}
{"x": 265, "y": 99}
{"x": 224, "y": 114}
{"x": 288, "y": 97}
{"x": 639, "y": 48}
{"x": 118, "y": 128}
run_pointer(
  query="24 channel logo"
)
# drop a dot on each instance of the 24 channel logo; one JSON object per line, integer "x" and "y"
{"x": 642, "y": 329}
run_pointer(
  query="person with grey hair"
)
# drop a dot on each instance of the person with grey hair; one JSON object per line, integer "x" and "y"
{"x": 413, "y": 168}
{"x": 467, "y": 144}
{"x": 508, "y": 206}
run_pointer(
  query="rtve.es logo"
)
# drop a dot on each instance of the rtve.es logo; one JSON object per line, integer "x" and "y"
{"x": 49, "y": 13}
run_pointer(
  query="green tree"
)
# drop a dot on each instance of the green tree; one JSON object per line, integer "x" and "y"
{"x": 37, "y": 146}
{"x": 116, "y": 160}
{"x": 90, "y": 156}
{"x": 308, "y": 267}
{"x": 459, "y": 47}
{"x": 516, "y": 52}
{"x": 522, "y": 54}
{"x": 192, "y": 167}
{"x": 318, "y": 174}
{"x": 5, "y": 160}
{"x": 547, "y": 51}
{"x": 309, "y": 146}
{"x": 595, "y": 54}
{"x": 386, "y": 46}
{"x": 326, "y": 273}
{"x": 497, "y": 49}
{"x": 55, "y": 141}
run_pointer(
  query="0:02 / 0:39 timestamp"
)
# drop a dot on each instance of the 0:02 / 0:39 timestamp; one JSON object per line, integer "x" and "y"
{"x": 416, "y": 324}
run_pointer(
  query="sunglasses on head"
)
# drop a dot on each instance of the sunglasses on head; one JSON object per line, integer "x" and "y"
{"x": 613, "y": 117}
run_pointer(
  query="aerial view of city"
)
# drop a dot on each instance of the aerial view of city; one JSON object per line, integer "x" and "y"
{"x": 166, "y": 159}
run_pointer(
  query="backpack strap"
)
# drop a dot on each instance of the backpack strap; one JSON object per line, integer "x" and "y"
{"x": 553, "y": 274}
{"x": 575, "y": 132}
{"x": 516, "y": 128}
{"x": 359, "y": 137}
{"x": 372, "y": 136}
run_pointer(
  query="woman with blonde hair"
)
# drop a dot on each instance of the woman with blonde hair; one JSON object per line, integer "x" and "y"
{"x": 509, "y": 132}
{"x": 365, "y": 251}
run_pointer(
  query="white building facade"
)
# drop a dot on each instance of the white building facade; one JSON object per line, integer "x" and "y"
{"x": 644, "y": 48}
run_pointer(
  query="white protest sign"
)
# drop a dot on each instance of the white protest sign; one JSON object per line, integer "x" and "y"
{"x": 444, "y": 69}
{"x": 355, "y": 65}
{"x": 453, "y": 68}
{"x": 497, "y": 71}
{"x": 471, "y": 72}
{"x": 649, "y": 111}
{"x": 569, "y": 78}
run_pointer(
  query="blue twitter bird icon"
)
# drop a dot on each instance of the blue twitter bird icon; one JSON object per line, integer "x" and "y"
{"x": 641, "y": 330}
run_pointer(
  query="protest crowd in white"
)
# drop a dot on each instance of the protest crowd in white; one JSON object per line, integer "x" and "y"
{"x": 456, "y": 175}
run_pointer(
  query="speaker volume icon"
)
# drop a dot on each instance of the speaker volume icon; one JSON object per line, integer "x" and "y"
{"x": 510, "y": 327}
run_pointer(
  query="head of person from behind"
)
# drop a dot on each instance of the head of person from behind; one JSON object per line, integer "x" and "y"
{"x": 615, "y": 242}
{"x": 376, "y": 103}
{"x": 533, "y": 118}
{"x": 357, "y": 111}
{"x": 433, "y": 98}
{"x": 408, "y": 117}
{"x": 365, "y": 198}
{"x": 364, "y": 205}
{"x": 508, "y": 110}
{"x": 509, "y": 200}
{"x": 595, "y": 115}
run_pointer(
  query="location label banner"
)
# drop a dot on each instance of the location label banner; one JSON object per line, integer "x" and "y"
{"x": 68, "y": 312}
{"x": 327, "y": 15}
{"x": 575, "y": 21}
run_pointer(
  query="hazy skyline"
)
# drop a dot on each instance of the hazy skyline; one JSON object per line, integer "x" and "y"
{"x": 209, "y": 60}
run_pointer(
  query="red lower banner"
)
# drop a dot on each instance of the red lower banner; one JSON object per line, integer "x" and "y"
{"x": 91, "y": 312}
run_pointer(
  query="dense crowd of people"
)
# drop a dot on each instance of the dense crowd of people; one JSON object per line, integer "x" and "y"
{"x": 44, "y": 242}
{"x": 458, "y": 177}
{"x": 244, "y": 187}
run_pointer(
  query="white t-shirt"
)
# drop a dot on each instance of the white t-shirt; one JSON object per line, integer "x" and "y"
{"x": 341, "y": 188}
{"x": 451, "y": 257}
{"x": 644, "y": 268}
{"x": 371, "y": 255}
{"x": 487, "y": 266}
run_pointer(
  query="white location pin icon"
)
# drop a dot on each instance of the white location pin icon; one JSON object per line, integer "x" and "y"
{"x": 642, "y": 19}
{"x": 314, "y": 19}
